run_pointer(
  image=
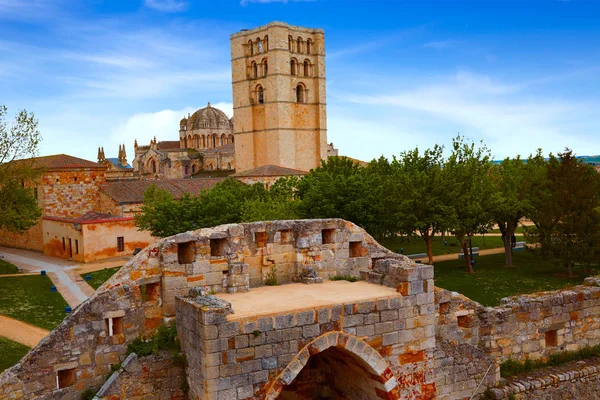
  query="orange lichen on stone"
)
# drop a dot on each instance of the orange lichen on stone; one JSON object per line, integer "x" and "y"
{"x": 411, "y": 357}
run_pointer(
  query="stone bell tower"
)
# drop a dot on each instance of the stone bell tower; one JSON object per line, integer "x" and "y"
{"x": 278, "y": 73}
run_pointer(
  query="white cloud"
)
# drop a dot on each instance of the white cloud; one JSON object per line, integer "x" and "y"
{"x": 480, "y": 107}
{"x": 169, "y": 6}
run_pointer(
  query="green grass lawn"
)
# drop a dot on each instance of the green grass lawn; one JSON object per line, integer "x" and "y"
{"x": 29, "y": 299}
{"x": 7, "y": 268}
{"x": 99, "y": 277}
{"x": 417, "y": 245}
{"x": 10, "y": 353}
{"x": 492, "y": 281}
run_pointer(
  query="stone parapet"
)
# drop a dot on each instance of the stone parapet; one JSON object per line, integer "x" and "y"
{"x": 579, "y": 380}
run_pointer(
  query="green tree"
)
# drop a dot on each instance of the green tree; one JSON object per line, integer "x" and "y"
{"x": 277, "y": 204}
{"x": 420, "y": 204}
{"x": 18, "y": 178}
{"x": 567, "y": 214}
{"x": 337, "y": 189}
{"x": 469, "y": 191}
{"x": 164, "y": 216}
{"x": 513, "y": 185}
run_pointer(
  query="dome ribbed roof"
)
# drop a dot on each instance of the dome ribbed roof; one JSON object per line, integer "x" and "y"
{"x": 208, "y": 118}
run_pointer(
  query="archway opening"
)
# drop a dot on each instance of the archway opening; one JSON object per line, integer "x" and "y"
{"x": 335, "y": 373}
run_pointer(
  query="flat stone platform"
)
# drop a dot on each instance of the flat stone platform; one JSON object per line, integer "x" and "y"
{"x": 271, "y": 300}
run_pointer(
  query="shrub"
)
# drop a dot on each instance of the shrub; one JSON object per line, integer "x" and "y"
{"x": 165, "y": 338}
{"x": 271, "y": 277}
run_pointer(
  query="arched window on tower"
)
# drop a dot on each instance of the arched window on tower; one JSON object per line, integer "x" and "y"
{"x": 214, "y": 140}
{"x": 299, "y": 45}
{"x": 203, "y": 141}
{"x": 291, "y": 43}
{"x": 230, "y": 138}
{"x": 197, "y": 141}
{"x": 300, "y": 94}
{"x": 266, "y": 43}
{"x": 260, "y": 94}
{"x": 265, "y": 66}
{"x": 293, "y": 66}
{"x": 187, "y": 170}
{"x": 259, "y": 46}
{"x": 223, "y": 140}
{"x": 254, "y": 70}
{"x": 250, "y": 48}
{"x": 153, "y": 166}
{"x": 306, "y": 68}
{"x": 309, "y": 46}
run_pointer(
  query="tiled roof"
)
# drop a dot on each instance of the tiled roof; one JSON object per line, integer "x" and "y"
{"x": 62, "y": 161}
{"x": 133, "y": 191}
{"x": 95, "y": 216}
{"x": 168, "y": 144}
{"x": 269, "y": 170}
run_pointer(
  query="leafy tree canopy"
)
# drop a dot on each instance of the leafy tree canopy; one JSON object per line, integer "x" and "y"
{"x": 18, "y": 178}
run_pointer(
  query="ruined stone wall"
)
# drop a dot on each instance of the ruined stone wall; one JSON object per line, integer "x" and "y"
{"x": 80, "y": 351}
{"x": 141, "y": 296}
{"x": 578, "y": 380}
{"x": 522, "y": 327}
{"x": 150, "y": 377}
{"x": 262, "y": 356}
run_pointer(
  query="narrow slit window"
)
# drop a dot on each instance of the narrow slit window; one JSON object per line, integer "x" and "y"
{"x": 120, "y": 243}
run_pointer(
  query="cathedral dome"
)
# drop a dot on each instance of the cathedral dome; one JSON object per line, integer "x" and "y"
{"x": 208, "y": 118}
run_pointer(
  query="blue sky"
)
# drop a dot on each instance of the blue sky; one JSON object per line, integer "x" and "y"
{"x": 517, "y": 75}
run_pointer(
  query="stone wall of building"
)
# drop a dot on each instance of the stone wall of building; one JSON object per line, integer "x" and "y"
{"x": 70, "y": 193}
{"x": 150, "y": 377}
{"x": 31, "y": 239}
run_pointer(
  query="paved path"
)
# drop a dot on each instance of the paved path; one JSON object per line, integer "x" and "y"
{"x": 21, "y": 332}
{"x": 447, "y": 257}
{"x": 56, "y": 268}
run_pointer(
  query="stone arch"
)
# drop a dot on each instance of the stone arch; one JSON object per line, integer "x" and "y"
{"x": 223, "y": 139}
{"x": 377, "y": 374}
{"x": 230, "y": 138}
{"x": 309, "y": 46}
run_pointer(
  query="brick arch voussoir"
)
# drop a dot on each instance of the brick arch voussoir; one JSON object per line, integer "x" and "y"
{"x": 375, "y": 364}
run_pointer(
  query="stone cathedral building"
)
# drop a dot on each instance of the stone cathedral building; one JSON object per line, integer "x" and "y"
{"x": 278, "y": 80}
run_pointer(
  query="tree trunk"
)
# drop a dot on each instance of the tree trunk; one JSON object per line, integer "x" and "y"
{"x": 429, "y": 249}
{"x": 570, "y": 268}
{"x": 507, "y": 239}
{"x": 467, "y": 256}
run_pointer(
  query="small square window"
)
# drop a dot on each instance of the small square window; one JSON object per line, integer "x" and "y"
{"x": 260, "y": 238}
{"x": 114, "y": 326}
{"x": 151, "y": 291}
{"x": 218, "y": 247}
{"x": 186, "y": 252}
{"x": 355, "y": 249}
{"x": 465, "y": 321}
{"x": 286, "y": 236}
{"x": 65, "y": 378}
{"x": 74, "y": 179}
{"x": 328, "y": 236}
{"x": 551, "y": 338}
